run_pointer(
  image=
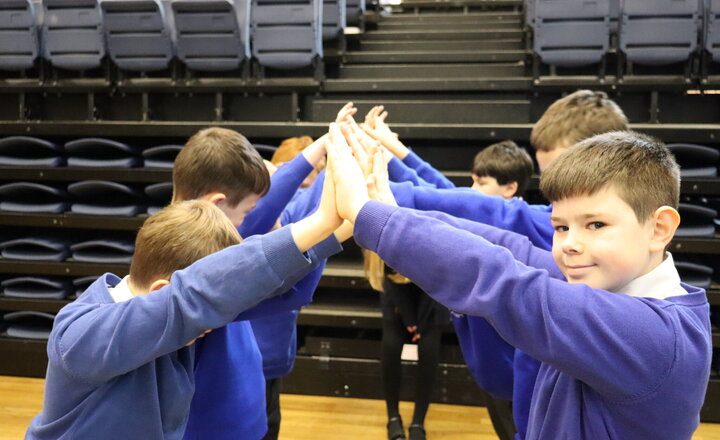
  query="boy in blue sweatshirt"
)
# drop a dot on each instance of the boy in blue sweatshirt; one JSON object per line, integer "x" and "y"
{"x": 122, "y": 356}
{"x": 624, "y": 346}
{"x": 567, "y": 121}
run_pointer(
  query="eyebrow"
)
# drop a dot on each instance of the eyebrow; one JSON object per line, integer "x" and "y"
{"x": 584, "y": 217}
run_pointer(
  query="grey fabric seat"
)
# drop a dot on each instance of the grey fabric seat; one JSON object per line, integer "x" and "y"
{"x": 659, "y": 32}
{"x": 354, "y": 10}
{"x": 712, "y": 30}
{"x": 570, "y": 33}
{"x": 72, "y": 34}
{"x": 286, "y": 34}
{"x": 212, "y": 35}
{"x": 137, "y": 33}
{"x": 333, "y": 19}
{"x": 18, "y": 35}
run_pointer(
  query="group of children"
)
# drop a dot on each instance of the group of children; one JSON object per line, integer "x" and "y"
{"x": 572, "y": 315}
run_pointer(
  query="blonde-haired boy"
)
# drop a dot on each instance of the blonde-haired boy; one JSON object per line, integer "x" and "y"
{"x": 624, "y": 346}
{"x": 121, "y": 357}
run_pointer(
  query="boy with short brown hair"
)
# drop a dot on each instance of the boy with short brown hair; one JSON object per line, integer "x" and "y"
{"x": 502, "y": 169}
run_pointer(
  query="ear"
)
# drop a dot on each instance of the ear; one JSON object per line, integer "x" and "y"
{"x": 214, "y": 197}
{"x": 157, "y": 284}
{"x": 665, "y": 221}
{"x": 509, "y": 190}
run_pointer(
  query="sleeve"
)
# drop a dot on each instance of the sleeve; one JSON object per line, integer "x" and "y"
{"x": 306, "y": 202}
{"x": 512, "y": 215}
{"x": 303, "y": 284}
{"x": 283, "y": 184}
{"x": 426, "y": 171}
{"x": 622, "y": 346}
{"x": 100, "y": 342}
{"x": 398, "y": 171}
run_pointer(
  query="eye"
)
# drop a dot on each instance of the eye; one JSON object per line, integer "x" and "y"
{"x": 561, "y": 228}
{"x": 596, "y": 225}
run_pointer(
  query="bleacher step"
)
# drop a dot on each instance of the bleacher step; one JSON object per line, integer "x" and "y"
{"x": 402, "y": 71}
{"x": 424, "y": 45}
{"x": 465, "y": 25}
{"x": 432, "y": 110}
{"x": 451, "y": 17}
{"x": 437, "y": 56}
{"x": 424, "y": 34}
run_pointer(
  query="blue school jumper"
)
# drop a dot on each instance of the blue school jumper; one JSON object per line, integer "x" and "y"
{"x": 229, "y": 401}
{"x": 612, "y": 365}
{"x": 122, "y": 370}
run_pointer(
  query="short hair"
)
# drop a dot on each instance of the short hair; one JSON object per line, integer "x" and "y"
{"x": 575, "y": 117}
{"x": 506, "y": 162}
{"x": 640, "y": 168}
{"x": 218, "y": 159}
{"x": 177, "y": 236}
{"x": 289, "y": 148}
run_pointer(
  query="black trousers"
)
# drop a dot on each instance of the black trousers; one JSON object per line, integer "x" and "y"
{"x": 272, "y": 402}
{"x": 501, "y": 416}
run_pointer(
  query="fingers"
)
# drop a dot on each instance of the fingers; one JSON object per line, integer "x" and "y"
{"x": 345, "y": 112}
{"x": 370, "y": 116}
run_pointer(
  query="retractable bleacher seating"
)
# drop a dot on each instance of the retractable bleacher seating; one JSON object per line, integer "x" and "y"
{"x": 72, "y": 34}
{"x": 18, "y": 35}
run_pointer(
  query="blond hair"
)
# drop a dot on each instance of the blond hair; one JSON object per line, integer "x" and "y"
{"x": 222, "y": 160}
{"x": 575, "y": 117}
{"x": 640, "y": 168}
{"x": 177, "y": 236}
{"x": 374, "y": 269}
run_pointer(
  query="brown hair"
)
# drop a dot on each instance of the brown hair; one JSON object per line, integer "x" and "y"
{"x": 177, "y": 236}
{"x": 218, "y": 159}
{"x": 575, "y": 117}
{"x": 506, "y": 162}
{"x": 639, "y": 167}
{"x": 289, "y": 148}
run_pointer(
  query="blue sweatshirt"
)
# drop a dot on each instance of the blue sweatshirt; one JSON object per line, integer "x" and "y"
{"x": 229, "y": 401}
{"x": 612, "y": 365}
{"x": 122, "y": 371}
{"x": 413, "y": 169}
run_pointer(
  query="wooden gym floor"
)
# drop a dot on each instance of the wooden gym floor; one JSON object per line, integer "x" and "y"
{"x": 304, "y": 417}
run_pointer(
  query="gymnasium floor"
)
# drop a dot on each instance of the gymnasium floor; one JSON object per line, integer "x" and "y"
{"x": 304, "y": 417}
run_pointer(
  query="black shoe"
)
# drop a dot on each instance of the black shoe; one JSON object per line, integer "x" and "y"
{"x": 395, "y": 430}
{"x": 417, "y": 432}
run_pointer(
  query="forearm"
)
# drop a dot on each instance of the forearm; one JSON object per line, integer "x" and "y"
{"x": 426, "y": 171}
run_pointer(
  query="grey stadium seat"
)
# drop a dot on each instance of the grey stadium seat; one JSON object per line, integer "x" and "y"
{"x": 18, "y": 35}
{"x": 72, "y": 34}
{"x": 333, "y": 21}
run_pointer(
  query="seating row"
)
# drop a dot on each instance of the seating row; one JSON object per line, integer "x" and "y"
{"x": 571, "y": 33}
{"x": 145, "y": 35}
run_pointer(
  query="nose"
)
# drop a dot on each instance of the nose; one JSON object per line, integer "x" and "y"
{"x": 572, "y": 243}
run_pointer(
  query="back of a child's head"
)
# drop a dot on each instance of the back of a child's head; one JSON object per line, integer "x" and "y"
{"x": 505, "y": 162}
{"x": 641, "y": 169}
{"x": 177, "y": 236}
{"x": 219, "y": 160}
{"x": 575, "y": 117}
{"x": 289, "y": 148}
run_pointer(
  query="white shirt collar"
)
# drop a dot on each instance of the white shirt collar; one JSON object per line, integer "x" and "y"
{"x": 121, "y": 292}
{"x": 661, "y": 282}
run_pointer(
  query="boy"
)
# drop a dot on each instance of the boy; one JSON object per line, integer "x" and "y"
{"x": 221, "y": 166}
{"x": 502, "y": 169}
{"x": 625, "y": 346}
{"x": 121, "y": 357}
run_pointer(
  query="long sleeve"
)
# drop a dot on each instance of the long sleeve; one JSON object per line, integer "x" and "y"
{"x": 283, "y": 185}
{"x": 398, "y": 171}
{"x": 120, "y": 337}
{"x": 303, "y": 284}
{"x": 515, "y": 215}
{"x": 426, "y": 171}
{"x": 621, "y": 346}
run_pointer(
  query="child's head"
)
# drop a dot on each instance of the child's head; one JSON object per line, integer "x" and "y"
{"x": 571, "y": 119}
{"x": 291, "y": 147}
{"x": 221, "y": 166}
{"x": 502, "y": 169}
{"x": 174, "y": 238}
{"x": 614, "y": 199}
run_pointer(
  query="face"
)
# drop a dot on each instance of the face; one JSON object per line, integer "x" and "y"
{"x": 545, "y": 158}
{"x": 599, "y": 241}
{"x": 490, "y": 186}
{"x": 237, "y": 213}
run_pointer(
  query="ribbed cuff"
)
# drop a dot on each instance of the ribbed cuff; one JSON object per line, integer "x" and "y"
{"x": 327, "y": 248}
{"x": 283, "y": 254}
{"x": 370, "y": 223}
{"x": 413, "y": 160}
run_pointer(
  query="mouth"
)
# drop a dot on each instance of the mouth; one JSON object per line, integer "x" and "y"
{"x": 578, "y": 270}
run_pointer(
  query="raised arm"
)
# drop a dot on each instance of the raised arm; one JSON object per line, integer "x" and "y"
{"x": 619, "y": 345}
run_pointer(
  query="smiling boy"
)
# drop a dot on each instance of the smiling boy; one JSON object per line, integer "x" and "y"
{"x": 624, "y": 345}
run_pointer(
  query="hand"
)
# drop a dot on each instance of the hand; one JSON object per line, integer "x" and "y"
{"x": 361, "y": 155}
{"x": 345, "y": 114}
{"x": 327, "y": 208}
{"x": 379, "y": 183}
{"x": 344, "y": 232}
{"x": 350, "y": 185}
{"x": 201, "y": 336}
{"x": 380, "y": 131}
{"x": 374, "y": 112}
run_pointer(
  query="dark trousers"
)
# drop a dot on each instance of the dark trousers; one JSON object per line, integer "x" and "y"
{"x": 501, "y": 416}
{"x": 272, "y": 402}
